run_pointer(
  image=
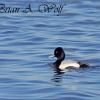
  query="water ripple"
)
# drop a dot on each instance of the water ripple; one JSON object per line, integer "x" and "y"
{"x": 27, "y": 40}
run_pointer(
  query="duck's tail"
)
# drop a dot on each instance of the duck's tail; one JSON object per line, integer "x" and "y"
{"x": 83, "y": 65}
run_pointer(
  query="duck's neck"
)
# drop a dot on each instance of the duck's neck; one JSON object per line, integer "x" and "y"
{"x": 59, "y": 60}
{"x": 57, "y": 63}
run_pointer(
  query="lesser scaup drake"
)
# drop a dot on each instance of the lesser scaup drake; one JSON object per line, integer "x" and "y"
{"x": 62, "y": 64}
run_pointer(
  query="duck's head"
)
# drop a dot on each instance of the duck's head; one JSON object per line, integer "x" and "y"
{"x": 59, "y": 53}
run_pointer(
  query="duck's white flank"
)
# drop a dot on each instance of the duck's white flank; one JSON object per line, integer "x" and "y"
{"x": 68, "y": 63}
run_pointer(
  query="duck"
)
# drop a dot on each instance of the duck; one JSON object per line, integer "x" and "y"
{"x": 62, "y": 64}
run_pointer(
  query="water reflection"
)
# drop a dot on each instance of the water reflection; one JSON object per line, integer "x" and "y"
{"x": 57, "y": 77}
{"x": 58, "y": 74}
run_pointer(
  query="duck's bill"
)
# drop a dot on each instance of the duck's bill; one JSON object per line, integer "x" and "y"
{"x": 51, "y": 57}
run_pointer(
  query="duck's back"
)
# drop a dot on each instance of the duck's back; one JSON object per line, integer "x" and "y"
{"x": 68, "y": 63}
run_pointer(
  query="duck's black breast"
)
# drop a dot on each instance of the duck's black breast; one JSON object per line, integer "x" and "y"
{"x": 57, "y": 63}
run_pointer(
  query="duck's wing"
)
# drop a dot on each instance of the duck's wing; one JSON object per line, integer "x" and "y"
{"x": 68, "y": 64}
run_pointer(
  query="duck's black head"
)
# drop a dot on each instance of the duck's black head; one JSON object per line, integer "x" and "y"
{"x": 59, "y": 53}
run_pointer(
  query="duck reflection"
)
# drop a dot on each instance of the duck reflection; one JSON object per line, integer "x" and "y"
{"x": 58, "y": 74}
{"x": 57, "y": 77}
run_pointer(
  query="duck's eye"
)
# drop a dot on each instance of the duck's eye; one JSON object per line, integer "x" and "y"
{"x": 56, "y": 52}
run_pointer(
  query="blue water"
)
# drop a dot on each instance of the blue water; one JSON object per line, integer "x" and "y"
{"x": 27, "y": 40}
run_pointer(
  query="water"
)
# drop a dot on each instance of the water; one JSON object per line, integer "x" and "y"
{"x": 27, "y": 41}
